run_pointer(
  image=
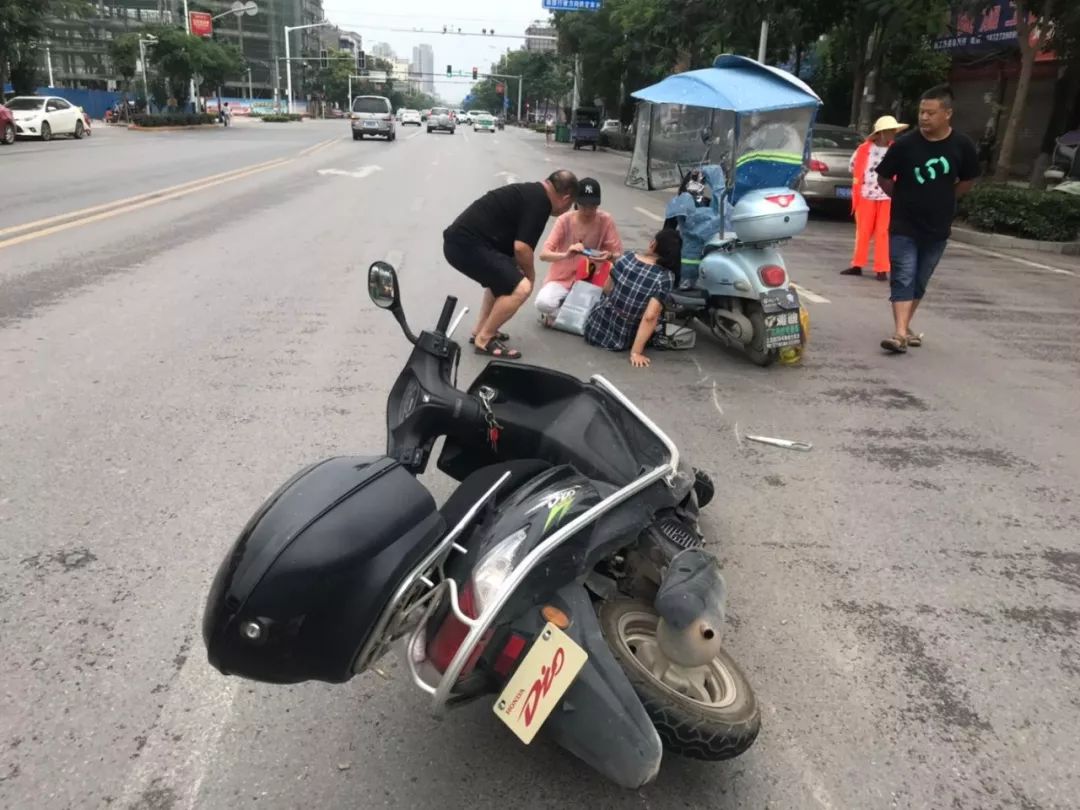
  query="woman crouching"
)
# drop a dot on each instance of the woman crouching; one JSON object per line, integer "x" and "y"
{"x": 629, "y": 312}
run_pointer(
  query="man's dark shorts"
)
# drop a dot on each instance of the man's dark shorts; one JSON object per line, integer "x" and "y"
{"x": 913, "y": 263}
{"x": 486, "y": 266}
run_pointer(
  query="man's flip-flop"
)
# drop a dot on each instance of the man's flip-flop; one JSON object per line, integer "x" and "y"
{"x": 498, "y": 336}
{"x": 497, "y": 350}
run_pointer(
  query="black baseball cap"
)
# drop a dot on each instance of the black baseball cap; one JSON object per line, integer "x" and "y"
{"x": 588, "y": 191}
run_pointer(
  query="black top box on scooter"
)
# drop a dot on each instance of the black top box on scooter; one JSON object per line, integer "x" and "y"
{"x": 307, "y": 579}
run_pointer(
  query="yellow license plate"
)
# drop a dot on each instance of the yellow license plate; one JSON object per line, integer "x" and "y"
{"x": 540, "y": 682}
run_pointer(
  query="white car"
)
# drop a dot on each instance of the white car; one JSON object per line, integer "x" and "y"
{"x": 482, "y": 122}
{"x": 46, "y": 116}
{"x": 410, "y": 117}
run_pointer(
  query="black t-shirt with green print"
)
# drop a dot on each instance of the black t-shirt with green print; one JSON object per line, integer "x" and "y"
{"x": 926, "y": 174}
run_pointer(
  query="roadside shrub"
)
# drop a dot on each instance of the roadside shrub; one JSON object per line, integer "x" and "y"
{"x": 173, "y": 120}
{"x": 617, "y": 140}
{"x": 1047, "y": 216}
{"x": 281, "y": 118}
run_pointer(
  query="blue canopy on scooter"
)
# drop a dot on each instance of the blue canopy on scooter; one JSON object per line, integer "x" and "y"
{"x": 733, "y": 83}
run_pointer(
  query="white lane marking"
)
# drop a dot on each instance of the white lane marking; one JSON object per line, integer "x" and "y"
{"x": 360, "y": 173}
{"x": 413, "y": 135}
{"x": 716, "y": 399}
{"x": 649, "y": 214}
{"x": 508, "y": 177}
{"x": 811, "y": 296}
{"x": 1059, "y": 270}
{"x": 395, "y": 258}
{"x": 466, "y": 137}
{"x": 417, "y": 204}
{"x": 198, "y": 708}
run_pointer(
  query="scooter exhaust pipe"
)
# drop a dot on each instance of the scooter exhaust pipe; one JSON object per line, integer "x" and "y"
{"x": 691, "y": 607}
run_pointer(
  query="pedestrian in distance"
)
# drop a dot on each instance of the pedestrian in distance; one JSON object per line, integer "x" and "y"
{"x": 493, "y": 242}
{"x": 586, "y": 228}
{"x": 226, "y": 114}
{"x": 869, "y": 203}
{"x": 924, "y": 173}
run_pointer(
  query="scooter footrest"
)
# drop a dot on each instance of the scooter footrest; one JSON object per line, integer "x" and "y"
{"x": 679, "y": 533}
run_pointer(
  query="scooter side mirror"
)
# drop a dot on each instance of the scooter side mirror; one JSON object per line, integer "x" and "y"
{"x": 386, "y": 294}
{"x": 383, "y": 286}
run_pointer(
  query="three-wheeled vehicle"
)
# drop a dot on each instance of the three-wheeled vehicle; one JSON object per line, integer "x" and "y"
{"x": 585, "y": 127}
{"x": 742, "y": 129}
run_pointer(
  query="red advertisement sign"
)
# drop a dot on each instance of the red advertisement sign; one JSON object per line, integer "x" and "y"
{"x": 202, "y": 24}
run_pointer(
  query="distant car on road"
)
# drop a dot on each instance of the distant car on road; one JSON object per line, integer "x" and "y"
{"x": 410, "y": 117}
{"x": 46, "y": 116}
{"x": 424, "y": 114}
{"x": 441, "y": 119}
{"x": 482, "y": 122}
{"x": 7, "y": 126}
{"x": 372, "y": 115}
{"x": 612, "y": 126}
{"x": 828, "y": 176}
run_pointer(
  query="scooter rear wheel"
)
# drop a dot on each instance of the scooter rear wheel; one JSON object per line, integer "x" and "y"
{"x": 755, "y": 349}
{"x": 707, "y": 713}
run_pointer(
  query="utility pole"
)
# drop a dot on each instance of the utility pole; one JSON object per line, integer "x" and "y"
{"x": 48, "y": 60}
{"x": 763, "y": 43}
{"x": 191, "y": 82}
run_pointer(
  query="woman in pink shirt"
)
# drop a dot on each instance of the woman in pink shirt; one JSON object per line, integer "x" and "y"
{"x": 585, "y": 228}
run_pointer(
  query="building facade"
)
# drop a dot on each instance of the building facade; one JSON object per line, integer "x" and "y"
{"x": 423, "y": 67}
{"x": 78, "y": 48}
{"x": 538, "y": 29}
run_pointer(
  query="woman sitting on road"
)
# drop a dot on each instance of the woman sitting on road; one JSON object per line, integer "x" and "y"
{"x": 587, "y": 228}
{"x": 628, "y": 314}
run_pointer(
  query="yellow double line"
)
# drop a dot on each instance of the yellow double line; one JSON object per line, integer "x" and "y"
{"x": 17, "y": 234}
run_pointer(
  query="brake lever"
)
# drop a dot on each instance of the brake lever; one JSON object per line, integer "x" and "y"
{"x": 456, "y": 322}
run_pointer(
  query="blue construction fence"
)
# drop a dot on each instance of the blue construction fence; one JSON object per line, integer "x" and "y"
{"x": 96, "y": 102}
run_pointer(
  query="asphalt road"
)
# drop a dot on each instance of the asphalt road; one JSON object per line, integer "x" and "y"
{"x": 904, "y": 597}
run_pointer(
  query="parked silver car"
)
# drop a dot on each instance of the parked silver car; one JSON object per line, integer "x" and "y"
{"x": 373, "y": 115}
{"x": 828, "y": 178}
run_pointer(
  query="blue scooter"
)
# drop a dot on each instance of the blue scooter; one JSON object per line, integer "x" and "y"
{"x": 733, "y": 277}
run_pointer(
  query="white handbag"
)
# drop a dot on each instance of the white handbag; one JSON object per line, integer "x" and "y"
{"x": 575, "y": 309}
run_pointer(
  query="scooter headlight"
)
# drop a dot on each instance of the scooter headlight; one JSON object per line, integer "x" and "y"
{"x": 495, "y": 566}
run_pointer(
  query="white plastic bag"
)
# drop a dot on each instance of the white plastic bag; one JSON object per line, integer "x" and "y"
{"x": 575, "y": 310}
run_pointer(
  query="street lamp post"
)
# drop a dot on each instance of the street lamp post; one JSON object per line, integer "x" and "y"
{"x": 238, "y": 10}
{"x": 288, "y": 60}
{"x": 142, "y": 63}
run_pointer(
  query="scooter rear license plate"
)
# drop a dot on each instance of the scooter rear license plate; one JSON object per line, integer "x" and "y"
{"x": 539, "y": 683}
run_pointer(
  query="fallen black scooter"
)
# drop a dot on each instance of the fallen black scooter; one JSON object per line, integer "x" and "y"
{"x": 565, "y": 580}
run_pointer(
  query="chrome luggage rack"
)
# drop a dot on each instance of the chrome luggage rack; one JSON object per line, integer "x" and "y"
{"x": 422, "y": 591}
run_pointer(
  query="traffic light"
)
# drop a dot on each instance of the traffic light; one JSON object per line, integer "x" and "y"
{"x": 361, "y": 62}
{"x": 449, "y": 71}
{"x": 475, "y": 73}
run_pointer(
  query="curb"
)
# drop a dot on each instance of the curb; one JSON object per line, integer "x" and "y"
{"x": 997, "y": 240}
{"x": 174, "y": 129}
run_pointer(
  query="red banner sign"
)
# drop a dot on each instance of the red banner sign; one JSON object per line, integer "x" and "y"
{"x": 202, "y": 24}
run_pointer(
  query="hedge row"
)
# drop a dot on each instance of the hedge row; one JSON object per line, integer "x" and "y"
{"x": 173, "y": 120}
{"x": 1049, "y": 216}
{"x": 281, "y": 118}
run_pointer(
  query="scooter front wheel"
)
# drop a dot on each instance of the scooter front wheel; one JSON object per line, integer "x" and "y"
{"x": 755, "y": 349}
{"x": 707, "y": 712}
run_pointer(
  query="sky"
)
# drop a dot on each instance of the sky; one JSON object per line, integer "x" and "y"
{"x": 463, "y": 53}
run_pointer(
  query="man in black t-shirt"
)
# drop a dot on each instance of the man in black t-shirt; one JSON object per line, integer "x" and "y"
{"x": 924, "y": 172}
{"x": 493, "y": 242}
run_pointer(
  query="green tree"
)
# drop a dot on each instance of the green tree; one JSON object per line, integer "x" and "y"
{"x": 1034, "y": 27}
{"x": 124, "y": 55}
{"x": 22, "y": 26}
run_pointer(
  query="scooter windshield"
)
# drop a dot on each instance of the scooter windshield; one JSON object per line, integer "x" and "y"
{"x": 557, "y": 418}
{"x": 771, "y": 149}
